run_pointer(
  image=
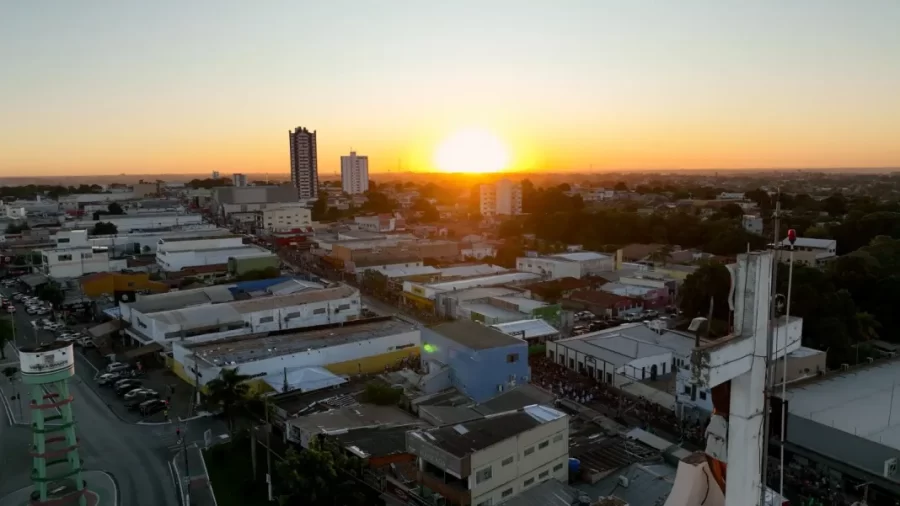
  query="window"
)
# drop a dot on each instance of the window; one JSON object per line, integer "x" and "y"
{"x": 62, "y": 240}
{"x": 543, "y": 444}
{"x": 141, "y": 324}
{"x": 557, "y": 438}
{"x": 267, "y": 319}
{"x": 529, "y": 451}
{"x": 86, "y": 255}
{"x": 64, "y": 258}
{"x": 483, "y": 475}
{"x": 321, "y": 310}
{"x": 687, "y": 390}
{"x": 507, "y": 461}
{"x": 544, "y": 475}
{"x": 528, "y": 482}
{"x": 703, "y": 395}
{"x": 486, "y": 502}
{"x": 557, "y": 467}
{"x": 342, "y": 307}
{"x": 512, "y": 358}
{"x": 506, "y": 493}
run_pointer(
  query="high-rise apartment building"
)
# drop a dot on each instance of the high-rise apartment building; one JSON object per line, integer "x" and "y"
{"x": 501, "y": 198}
{"x": 355, "y": 173}
{"x": 215, "y": 174}
{"x": 304, "y": 164}
{"x": 239, "y": 179}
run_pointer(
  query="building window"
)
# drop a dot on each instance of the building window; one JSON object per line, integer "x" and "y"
{"x": 703, "y": 396}
{"x": 512, "y": 358}
{"x": 64, "y": 258}
{"x": 321, "y": 310}
{"x": 267, "y": 319}
{"x": 543, "y": 444}
{"x": 506, "y": 493}
{"x": 343, "y": 307}
{"x": 529, "y": 451}
{"x": 483, "y": 475}
{"x": 528, "y": 482}
{"x": 507, "y": 461}
{"x": 557, "y": 467}
{"x": 62, "y": 240}
{"x": 687, "y": 390}
{"x": 141, "y": 324}
{"x": 557, "y": 438}
{"x": 544, "y": 475}
{"x": 86, "y": 255}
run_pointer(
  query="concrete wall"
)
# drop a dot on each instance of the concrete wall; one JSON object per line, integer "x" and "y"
{"x": 548, "y": 453}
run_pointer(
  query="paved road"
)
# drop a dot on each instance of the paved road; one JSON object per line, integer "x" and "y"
{"x": 137, "y": 456}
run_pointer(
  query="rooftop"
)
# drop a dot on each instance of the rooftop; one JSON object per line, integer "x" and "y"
{"x": 376, "y": 441}
{"x": 475, "y": 336}
{"x": 401, "y": 272}
{"x": 809, "y": 242}
{"x": 601, "y": 298}
{"x": 363, "y": 415}
{"x": 547, "y": 493}
{"x": 580, "y": 256}
{"x": 523, "y": 304}
{"x": 648, "y": 484}
{"x": 494, "y": 280}
{"x": 837, "y": 399}
{"x": 182, "y": 299}
{"x": 476, "y": 435}
{"x": 517, "y": 398}
{"x": 527, "y": 328}
{"x": 242, "y": 349}
{"x": 624, "y": 290}
{"x": 626, "y": 343}
{"x": 561, "y": 284}
{"x": 471, "y": 270}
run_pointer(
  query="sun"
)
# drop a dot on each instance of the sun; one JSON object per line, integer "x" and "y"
{"x": 473, "y": 150}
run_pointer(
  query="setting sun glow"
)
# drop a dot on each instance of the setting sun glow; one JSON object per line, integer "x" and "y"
{"x": 473, "y": 150}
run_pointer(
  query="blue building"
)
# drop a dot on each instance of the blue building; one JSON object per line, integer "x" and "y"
{"x": 482, "y": 361}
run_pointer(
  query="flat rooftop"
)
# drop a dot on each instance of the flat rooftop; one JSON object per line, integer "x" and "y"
{"x": 626, "y": 343}
{"x": 838, "y": 400}
{"x": 475, "y": 435}
{"x": 493, "y": 280}
{"x": 180, "y": 239}
{"x": 376, "y": 441}
{"x": 491, "y": 311}
{"x": 475, "y": 336}
{"x": 243, "y": 349}
{"x": 182, "y": 299}
{"x": 531, "y": 328}
{"x": 363, "y": 415}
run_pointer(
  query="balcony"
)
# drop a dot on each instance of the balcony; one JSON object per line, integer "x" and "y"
{"x": 449, "y": 487}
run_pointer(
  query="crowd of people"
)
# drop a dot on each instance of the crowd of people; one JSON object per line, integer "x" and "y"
{"x": 807, "y": 486}
{"x": 625, "y": 408}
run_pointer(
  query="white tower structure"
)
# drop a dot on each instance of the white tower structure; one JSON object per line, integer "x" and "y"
{"x": 735, "y": 368}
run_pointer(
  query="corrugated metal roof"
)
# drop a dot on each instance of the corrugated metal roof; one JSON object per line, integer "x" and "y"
{"x": 531, "y": 328}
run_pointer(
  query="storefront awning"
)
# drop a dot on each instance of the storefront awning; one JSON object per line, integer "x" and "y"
{"x": 141, "y": 351}
{"x": 105, "y": 329}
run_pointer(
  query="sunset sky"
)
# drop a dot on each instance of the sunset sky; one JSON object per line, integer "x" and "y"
{"x": 102, "y": 87}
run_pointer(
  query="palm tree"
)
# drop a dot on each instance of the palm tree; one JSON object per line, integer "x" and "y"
{"x": 662, "y": 254}
{"x": 867, "y": 326}
{"x": 229, "y": 392}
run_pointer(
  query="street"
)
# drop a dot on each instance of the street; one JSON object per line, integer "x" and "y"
{"x": 137, "y": 456}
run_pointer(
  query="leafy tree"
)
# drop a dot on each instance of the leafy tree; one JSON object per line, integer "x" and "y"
{"x": 381, "y": 394}
{"x": 52, "y": 293}
{"x": 374, "y": 282}
{"x": 711, "y": 280}
{"x": 320, "y": 207}
{"x": 379, "y": 203}
{"x": 319, "y": 476}
{"x": 13, "y": 228}
{"x": 257, "y": 274}
{"x": 7, "y": 335}
{"x": 835, "y": 205}
{"x": 662, "y": 254}
{"x": 229, "y": 392}
{"x": 115, "y": 208}
{"x": 816, "y": 232}
{"x": 620, "y": 187}
{"x": 104, "y": 228}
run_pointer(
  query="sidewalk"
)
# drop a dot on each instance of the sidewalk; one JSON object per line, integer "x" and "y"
{"x": 201, "y": 493}
{"x": 102, "y": 491}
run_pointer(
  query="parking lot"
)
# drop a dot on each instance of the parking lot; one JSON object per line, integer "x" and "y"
{"x": 32, "y": 329}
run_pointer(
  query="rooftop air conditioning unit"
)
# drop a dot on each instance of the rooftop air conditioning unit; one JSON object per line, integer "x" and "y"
{"x": 623, "y": 481}
{"x": 890, "y": 467}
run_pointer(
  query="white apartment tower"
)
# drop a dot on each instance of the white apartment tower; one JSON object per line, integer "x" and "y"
{"x": 239, "y": 179}
{"x": 355, "y": 173}
{"x": 304, "y": 164}
{"x": 501, "y": 198}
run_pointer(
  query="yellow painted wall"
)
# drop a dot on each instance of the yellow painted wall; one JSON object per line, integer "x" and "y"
{"x": 421, "y": 302}
{"x": 373, "y": 364}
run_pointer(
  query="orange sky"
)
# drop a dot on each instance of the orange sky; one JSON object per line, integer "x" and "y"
{"x": 91, "y": 88}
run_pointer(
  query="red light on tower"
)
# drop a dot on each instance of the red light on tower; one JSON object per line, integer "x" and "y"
{"x": 792, "y": 236}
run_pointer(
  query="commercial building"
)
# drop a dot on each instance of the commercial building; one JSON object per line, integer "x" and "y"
{"x": 338, "y": 422}
{"x": 505, "y": 308}
{"x": 239, "y": 180}
{"x": 212, "y": 314}
{"x": 121, "y": 286}
{"x": 501, "y": 198}
{"x": 229, "y": 200}
{"x": 484, "y": 361}
{"x": 128, "y": 223}
{"x": 134, "y": 242}
{"x": 603, "y": 304}
{"x": 493, "y": 459}
{"x": 76, "y": 201}
{"x": 77, "y": 261}
{"x": 355, "y": 173}
{"x": 533, "y": 331}
{"x": 843, "y": 421}
{"x": 419, "y": 293}
{"x": 173, "y": 255}
{"x": 356, "y": 348}
{"x": 284, "y": 218}
{"x": 566, "y": 265}
{"x": 304, "y": 163}
{"x": 380, "y": 223}
{"x": 808, "y": 251}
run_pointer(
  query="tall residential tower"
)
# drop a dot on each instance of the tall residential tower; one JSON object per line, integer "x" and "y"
{"x": 304, "y": 165}
{"x": 501, "y": 198}
{"x": 355, "y": 173}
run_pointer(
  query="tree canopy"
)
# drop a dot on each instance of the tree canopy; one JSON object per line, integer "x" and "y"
{"x": 320, "y": 475}
{"x": 104, "y": 228}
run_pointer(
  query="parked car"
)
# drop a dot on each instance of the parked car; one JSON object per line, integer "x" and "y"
{"x": 125, "y": 386}
{"x": 10, "y": 309}
{"x": 109, "y": 378}
{"x": 85, "y": 342}
{"x": 136, "y": 402}
{"x": 117, "y": 367}
{"x": 17, "y": 296}
{"x": 152, "y": 406}
{"x": 138, "y": 392}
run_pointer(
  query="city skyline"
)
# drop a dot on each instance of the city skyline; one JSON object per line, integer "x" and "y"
{"x": 165, "y": 88}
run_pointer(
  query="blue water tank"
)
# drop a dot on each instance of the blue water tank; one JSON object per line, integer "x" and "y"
{"x": 574, "y": 466}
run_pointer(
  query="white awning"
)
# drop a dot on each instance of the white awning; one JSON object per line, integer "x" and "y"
{"x": 305, "y": 379}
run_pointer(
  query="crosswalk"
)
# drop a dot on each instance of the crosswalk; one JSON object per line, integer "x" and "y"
{"x": 169, "y": 438}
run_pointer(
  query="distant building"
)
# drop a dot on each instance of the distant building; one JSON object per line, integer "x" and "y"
{"x": 566, "y": 265}
{"x": 808, "y": 251}
{"x": 228, "y": 200}
{"x": 280, "y": 219}
{"x": 239, "y": 179}
{"x": 215, "y": 174}
{"x": 355, "y": 173}
{"x": 730, "y": 196}
{"x": 752, "y": 224}
{"x": 304, "y": 163}
{"x": 501, "y": 198}
{"x": 380, "y": 223}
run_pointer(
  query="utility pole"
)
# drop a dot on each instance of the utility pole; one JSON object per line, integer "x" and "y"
{"x": 187, "y": 469}
{"x": 268, "y": 451}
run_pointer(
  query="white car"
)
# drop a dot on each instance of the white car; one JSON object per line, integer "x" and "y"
{"x": 117, "y": 367}
{"x": 138, "y": 392}
{"x": 52, "y": 326}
